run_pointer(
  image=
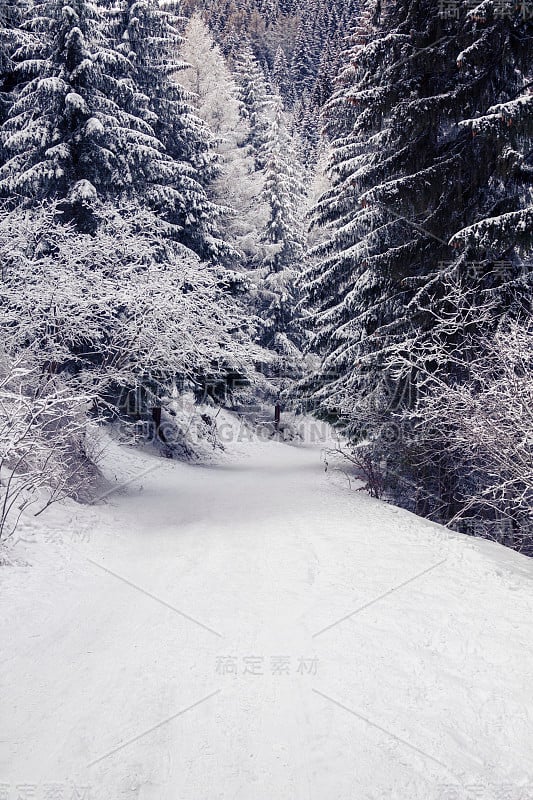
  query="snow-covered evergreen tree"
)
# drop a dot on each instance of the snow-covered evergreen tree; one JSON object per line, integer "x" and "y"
{"x": 11, "y": 12}
{"x": 77, "y": 130}
{"x": 409, "y": 183}
{"x": 284, "y": 195}
{"x": 150, "y": 39}
{"x": 268, "y": 200}
{"x": 303, "y": 59}
{"x": 281, "y": 76}
{"x": 215, "y": 98}
{"x": 282, "y": 237}
{"x": 255, "y": 102}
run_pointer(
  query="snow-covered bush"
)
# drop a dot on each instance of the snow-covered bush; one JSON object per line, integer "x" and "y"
{"x": 43, "y": 451}
{"x": 125, "y": 310}
{"x": 111, "y": 325}
{"x": 468, "y": 438}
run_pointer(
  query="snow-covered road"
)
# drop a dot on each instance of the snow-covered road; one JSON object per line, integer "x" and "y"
{"x": 258, "y": 630}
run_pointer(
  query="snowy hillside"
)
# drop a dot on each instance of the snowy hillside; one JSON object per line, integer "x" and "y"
{"x": 257, "y": 629}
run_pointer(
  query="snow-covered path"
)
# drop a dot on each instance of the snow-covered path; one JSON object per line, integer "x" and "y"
{"x": 258, "y": 630}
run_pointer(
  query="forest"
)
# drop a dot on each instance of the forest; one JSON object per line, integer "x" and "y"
{"x": 321, "y": 205}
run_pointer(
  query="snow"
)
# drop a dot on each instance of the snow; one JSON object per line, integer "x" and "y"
{"x": 75, "y": 103}
{"x": 94, "y": 127}
{"x": 83, "y": 191}
{"x": 393, "y": 656}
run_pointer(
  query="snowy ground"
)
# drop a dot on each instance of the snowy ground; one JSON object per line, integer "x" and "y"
{"x": 258, "y": 630}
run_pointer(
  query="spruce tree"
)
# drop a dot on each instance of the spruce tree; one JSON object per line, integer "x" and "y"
{"x": 283, "y": 193}
{"x": 11, "y": 12}
{"x": 303, "y": 59}
{"x": 487, "y": 283}
{"x": 255, "y": 102}
{"x": 409, "y": 182}
{"x": 284, "y": 197}
{"x": 150, "y": 40}
{"x": 215, "y": 98}
{"x": 281, "y": 75}
{"x": 72, "y": 132}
